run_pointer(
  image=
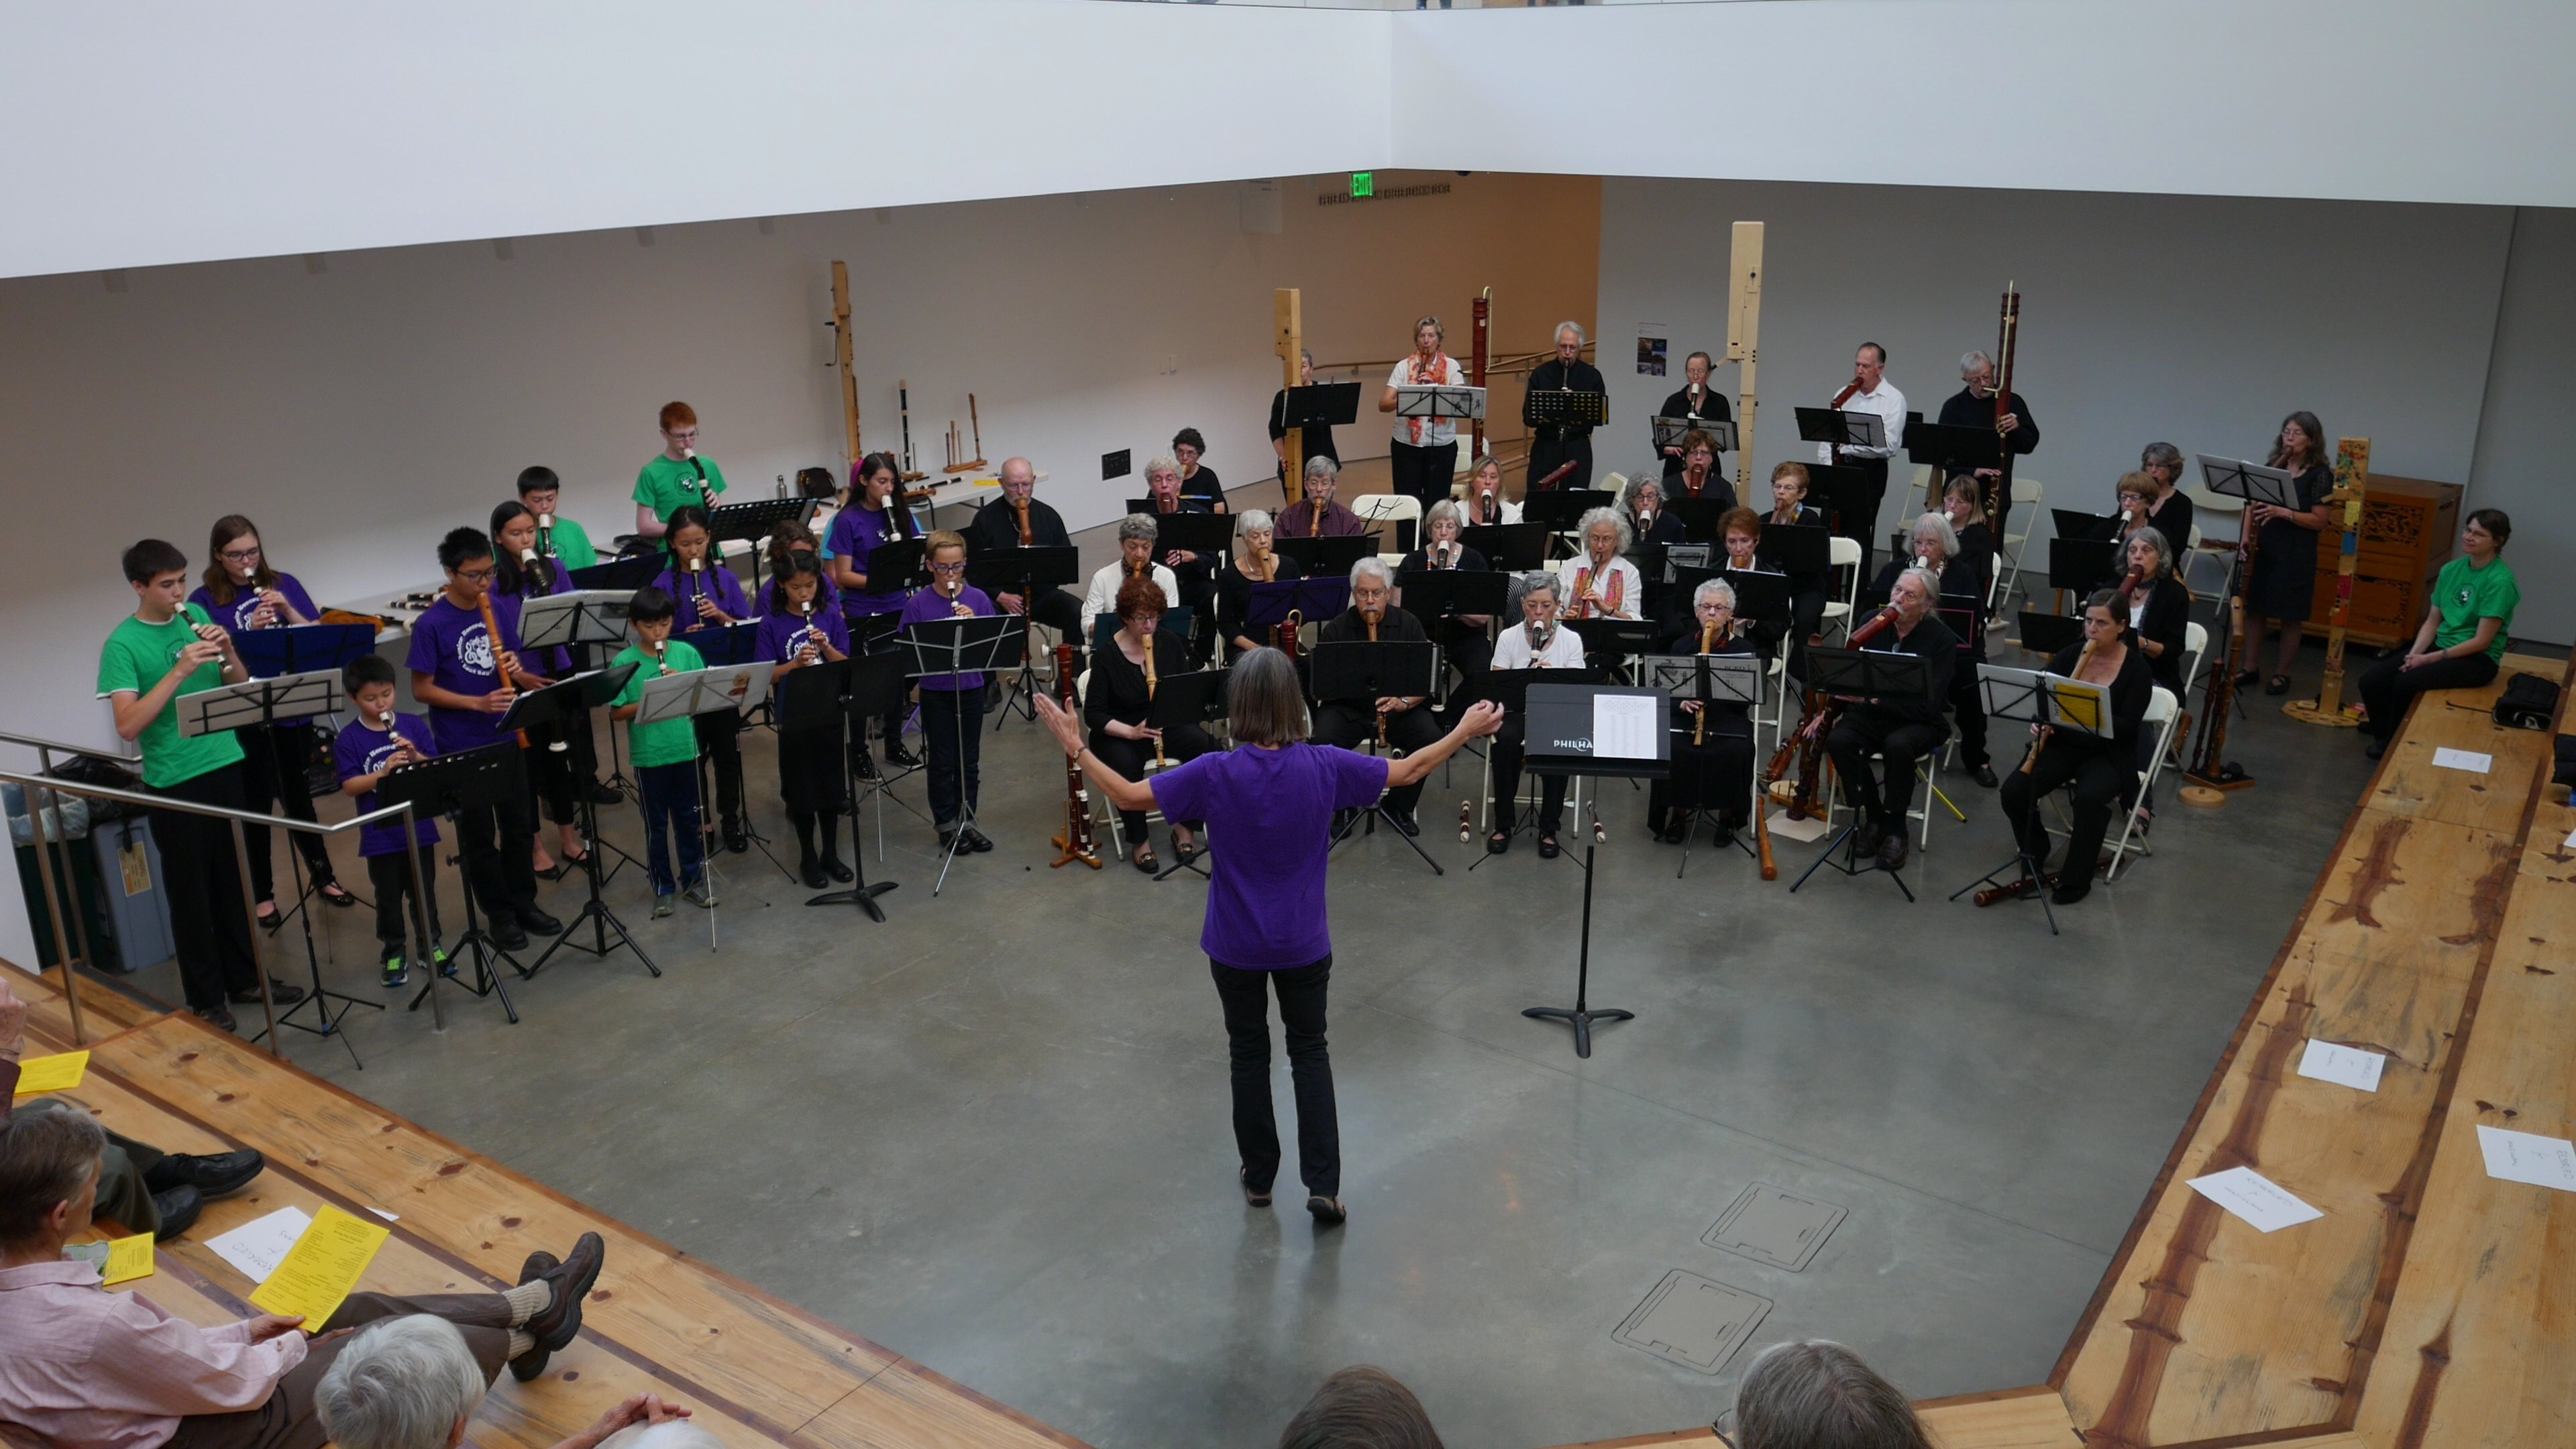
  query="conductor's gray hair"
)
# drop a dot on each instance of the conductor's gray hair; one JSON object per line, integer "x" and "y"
{"x": 1719, "y": 588}
{"x": 1969, "y": 362}
{"x": 1936, "y": 527}
{"x": 1264, "y": 704}
{"x": 1564, "y": 327}
{"x": 1594, "y": 518}
{"x": 401, "y": 1383}
{"x": 1370, "y": 564}
{"x": 1163, "y": 463}
{"x": 1322, "y": 466}
{"x": 1254, "y": 521}
{"x": 1817, "y": 1392}
{"x": 1137, "y": 525}
{"x": 1446, "y": 508}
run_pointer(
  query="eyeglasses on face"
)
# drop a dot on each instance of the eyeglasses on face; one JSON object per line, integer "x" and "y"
{"x": 958, "y": 567}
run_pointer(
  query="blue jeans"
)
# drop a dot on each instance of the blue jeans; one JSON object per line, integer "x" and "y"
{"x": 952, "y": 777}
{"x": 671, "y": 812}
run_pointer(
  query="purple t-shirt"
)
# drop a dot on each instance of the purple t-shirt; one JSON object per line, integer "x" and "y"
{"x": 363, "y": 749}
{"x": 926, "y": 604}
{"x": 553, "y": 663}
{"x": 235, "y": 616}
{"x": 1271, "y": 814}
{"x": 856, "y": 532}
{"x": 781, "y": 635}
{"x": 448, "y": 644}
{"x": 686, "y": 587}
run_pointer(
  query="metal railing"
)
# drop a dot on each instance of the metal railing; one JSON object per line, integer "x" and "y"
{"x": 49, "y": 784}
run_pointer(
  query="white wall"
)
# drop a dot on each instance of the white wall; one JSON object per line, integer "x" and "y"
{"x": 2197, "y": 321}
{"x": 2369, "y": 99}
{"x": 2522, "y": 461}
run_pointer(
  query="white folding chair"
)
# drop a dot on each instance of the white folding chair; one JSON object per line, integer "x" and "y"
{"x": 1527, "y": 793}
{"x": 1920, "y": 810}
{"x": 1920, "y": 484}
{"x": 2206, "y": 504}
{"x": 1103, "y": 814}
{"x": 1842, "y": 553}
{"x": 1390, "y": 508}
{"x": 2025, "y": 506}
{"x": 2162, "y": 712}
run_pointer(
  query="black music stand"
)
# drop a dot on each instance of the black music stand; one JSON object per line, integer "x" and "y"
{"x": 1669, "y": 432}
{"x": 300, "y": 649}
{"x": 897, "y": 566}
{"x": 263, "y": 704}
{"x": 1510, "y": 688}
{"x": 876, "y": 686}
{"x": 1760, "y": 595}
{"x": 1558, "y": 510}
{"x": 981, "y": 644}
{"x": 1619, "y": 638}
{"x": 2080, "y": 564}
{"x": 1321, "y": 405}
{"x": 1868, "y": 674}
{"x": 1710, "y": 679}
{"x": 816, "y": 697}
{"x": 1699, "y": 517}
{"x": 625, "y": 575}
{"x": 1562, "y": 408}
{"x": 720, "y": 646}
{"x": 1512, "y": 547}
{"x": 2045, "y": 634}
{"x": 1192, "y": 698}
{"x": 684, "y": 695}
{"x": 1438, "y": 401}
{"x": 566, "y": 704}
{"x": 449, "y": 785}
{"x": 2035, "y": 697}
{"x": 586, "y": 616}
{"x": 1312, "y": 600}
{"x": 1326, "y": 557}
{"x": 1853, "y": 429}
{"x": 1436, "y": 596}
{"x": 1022, "y": 571}
{"x": 1950, "y": 451}
{"x": 1796, "y": 549}
{"x": 1574, "y": 725}
{"x": 2076, "y": 523}
{"x": 752, "y": 523}
{"x": 1357, "y": 669}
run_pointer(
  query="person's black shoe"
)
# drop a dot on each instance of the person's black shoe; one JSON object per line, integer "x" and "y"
{"x": 509, "y": 936}
{"x": 178, "y": 1207}
{"x": 280, "y": 993}
{"x": 865, "y": 767}
{"x": 604, "y": 793}
{"x": 528, "y": 1366}
{"x": 211, "y": 1174}
{"x": 1498, "y": 842}
{"x": 901, "y": 758}
{"x": 1725, "y": 832}
{"x": 2249, "y": 678}
{"x": 948, "y": 837}
{"x": 1342, "y": 822}
{"x": 1984, "y": 775}
{"x": 217, "y": 1016}
{"x": 1891, "y": 851}
{"x": 735, "y": 838}
{"x": 1676, "y": 830}
{"x": 2068, "y": 892}
{"x": 2376, "y": 749}
{"x": 976, "y": 840}
{"x": 1547, "y": 846}
{"x": 539, "y": 923}
{"x": 1404, "y": 822}
{"x": 571, "y": 1281}
{"x": 1328, "y": 1211}
{"x": 833, "y": 867}
{"x": 811, "y": 871}
{"x": 1872, "y": 835}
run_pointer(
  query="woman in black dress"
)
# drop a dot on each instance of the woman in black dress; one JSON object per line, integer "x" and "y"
{"x": 1466, "y": 640}
{"x": 2159, "y": 611}
{"x": 1696, "y": 402}
{"x": 1118, "y": 700}
{"x": 1712, "y": 766}
{"x": 2101, "y": 769}
{"x": 1256, "y": 564}
{"x": 2283, "y": 584}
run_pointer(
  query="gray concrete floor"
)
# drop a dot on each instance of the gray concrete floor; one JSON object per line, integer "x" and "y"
{"x": 992, "y": 1133}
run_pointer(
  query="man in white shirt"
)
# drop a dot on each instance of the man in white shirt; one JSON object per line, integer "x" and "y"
{"x": 1135, "y": 553}
{"x": 1859, "y": 519}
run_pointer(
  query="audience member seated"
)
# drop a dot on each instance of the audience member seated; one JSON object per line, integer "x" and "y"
{"x": 413, "y": 1383}
{"x": 83, "y": 1368}
{"x": 140, "y": 1187}
{"x": 1818, "y": 1395}
{"x": 1361, "y": 1408}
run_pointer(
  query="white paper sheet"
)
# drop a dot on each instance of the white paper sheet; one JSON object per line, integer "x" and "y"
{"x": 258, "y": 1246}
{"x": 2571, "y": 840}
{"x": 2255, "y": 1198}
{"x": 1624, "y": 725}
{"x": 2475, "y": 764}
{"x": 388, "y": 1217}
{"x": 2343, "y": 1065}
{"x": 2523, "y": 1157}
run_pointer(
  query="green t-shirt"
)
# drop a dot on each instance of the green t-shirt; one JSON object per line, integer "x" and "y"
{"x": 666, "y": 485}
{"x": 136, "y": 657}
{"x": 2466, "y": 594}
{"x": 572, "y": 544}
{"x": 672, "y": 741}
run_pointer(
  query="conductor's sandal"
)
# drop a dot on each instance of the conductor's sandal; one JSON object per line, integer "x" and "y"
{"x": 1328, "y": 1211}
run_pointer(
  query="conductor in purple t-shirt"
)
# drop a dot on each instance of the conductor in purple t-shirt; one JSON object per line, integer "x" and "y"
{"x": 1269, "y": 804}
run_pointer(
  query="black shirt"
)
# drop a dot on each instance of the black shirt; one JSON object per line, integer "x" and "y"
{"x": 1313, "y": 442}
{"x": 1577, "y": 376}
{"x": 1205, "y": 567}
{"x": 1723, "y": 719}
{"x": 2172, "y": 518}
{"x": 1234, "y": 595}
{"x": 1117, "y": 688}
{"x": 2129, "y": 696}
{"x": 1203, "y": 486}
{"x": 1933, "y": 642}
{"x": 1967, "y": 410}
{"x": 2165, "y": 621}
{"x": 1717, "y": 486}
{"x": 1712, "y": 407}
{"x": 997, "y": 525}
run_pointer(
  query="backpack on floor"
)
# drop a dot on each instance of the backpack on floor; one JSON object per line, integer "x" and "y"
{"x": 2527, "y": 703}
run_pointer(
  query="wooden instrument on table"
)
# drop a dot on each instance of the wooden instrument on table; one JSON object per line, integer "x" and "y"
{"x": 2007, "y": 334}
{"x": 1076, "y": 842}
{"x": 1821, "y": 713}
{"x": 2045, "y": 731}
{"x": 492, "y": 636}
{"x": 1148, "y": 642}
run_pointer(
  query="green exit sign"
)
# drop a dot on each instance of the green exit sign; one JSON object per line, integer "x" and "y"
{"x": 1363, "y": 183}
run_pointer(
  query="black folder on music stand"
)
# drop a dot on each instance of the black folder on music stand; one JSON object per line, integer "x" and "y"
{"x": 896, "y": 566}
{"x": 1313, "y": 600}
{"x": 1795, "y": 548}
{"x": 1952, "y": 450}
{"x": 623, "y": 574}
{"x": 1513, "y": 547}
{"x": 1699, "y": 517}
{"x": 1432, "y": 595}
{"x": 1322, "y": 405}
{"x": 2081, "y": 564}
{"x": 1555, "y": 407}
{"x": 1321, "y": 557}
{"x": 1842, "y": 429}
{"x": 2076, "y": 523}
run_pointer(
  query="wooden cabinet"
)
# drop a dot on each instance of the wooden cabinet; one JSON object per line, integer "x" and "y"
{"x": 2408, "y": 528}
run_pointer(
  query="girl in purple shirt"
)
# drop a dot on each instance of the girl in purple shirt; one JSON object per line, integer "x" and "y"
{"x": 1269, "y": 804}
{"x": 802, "y": 629}
{"x": 519, "y": 574}
{"x": 243, "y": 593}
{"x": 876, "y": 516}
{"x": 709, "y": 596}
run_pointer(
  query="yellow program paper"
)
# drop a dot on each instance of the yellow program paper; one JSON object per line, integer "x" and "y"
{"x": 128, "y": 1259}
{"x": 51, "y": 1074}
{"x": 322, "y": 1267}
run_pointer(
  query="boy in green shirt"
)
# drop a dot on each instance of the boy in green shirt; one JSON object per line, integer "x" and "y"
{"x": 170, "y": 648}
{"x": 665, "y": 752}
{"x": 567, "y": 540}
{"x": 2460, "y": 644}
{"x": 676, "y": 476}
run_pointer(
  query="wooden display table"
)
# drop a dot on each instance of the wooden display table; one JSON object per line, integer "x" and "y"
{"x": 2409, "y": 526}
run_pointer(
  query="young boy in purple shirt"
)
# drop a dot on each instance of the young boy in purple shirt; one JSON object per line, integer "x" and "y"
{"x": 952, "y": 705}
{"x": 376, "y": 741}
{"x": 469, "y": 680}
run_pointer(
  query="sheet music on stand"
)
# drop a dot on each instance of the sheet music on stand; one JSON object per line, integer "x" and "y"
{"x": 1557, "y": 407}
{"x": 1842, "y": 429}
{"x": 691, "y": 692}
{"x": 260, "y": 701}
{"x": 2035, "y": 696}
{"x": 1439, "y": 401}
{"x": 1669, "y": 432}
{"x": 302, "y": 648}
{"x": 584, "y": 616}
{"x": 2252, "y": 482}
{"x": 1708, "y": 678}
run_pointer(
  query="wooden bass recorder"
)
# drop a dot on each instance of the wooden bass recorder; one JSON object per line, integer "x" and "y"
{"x": 1076, "y": 842}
